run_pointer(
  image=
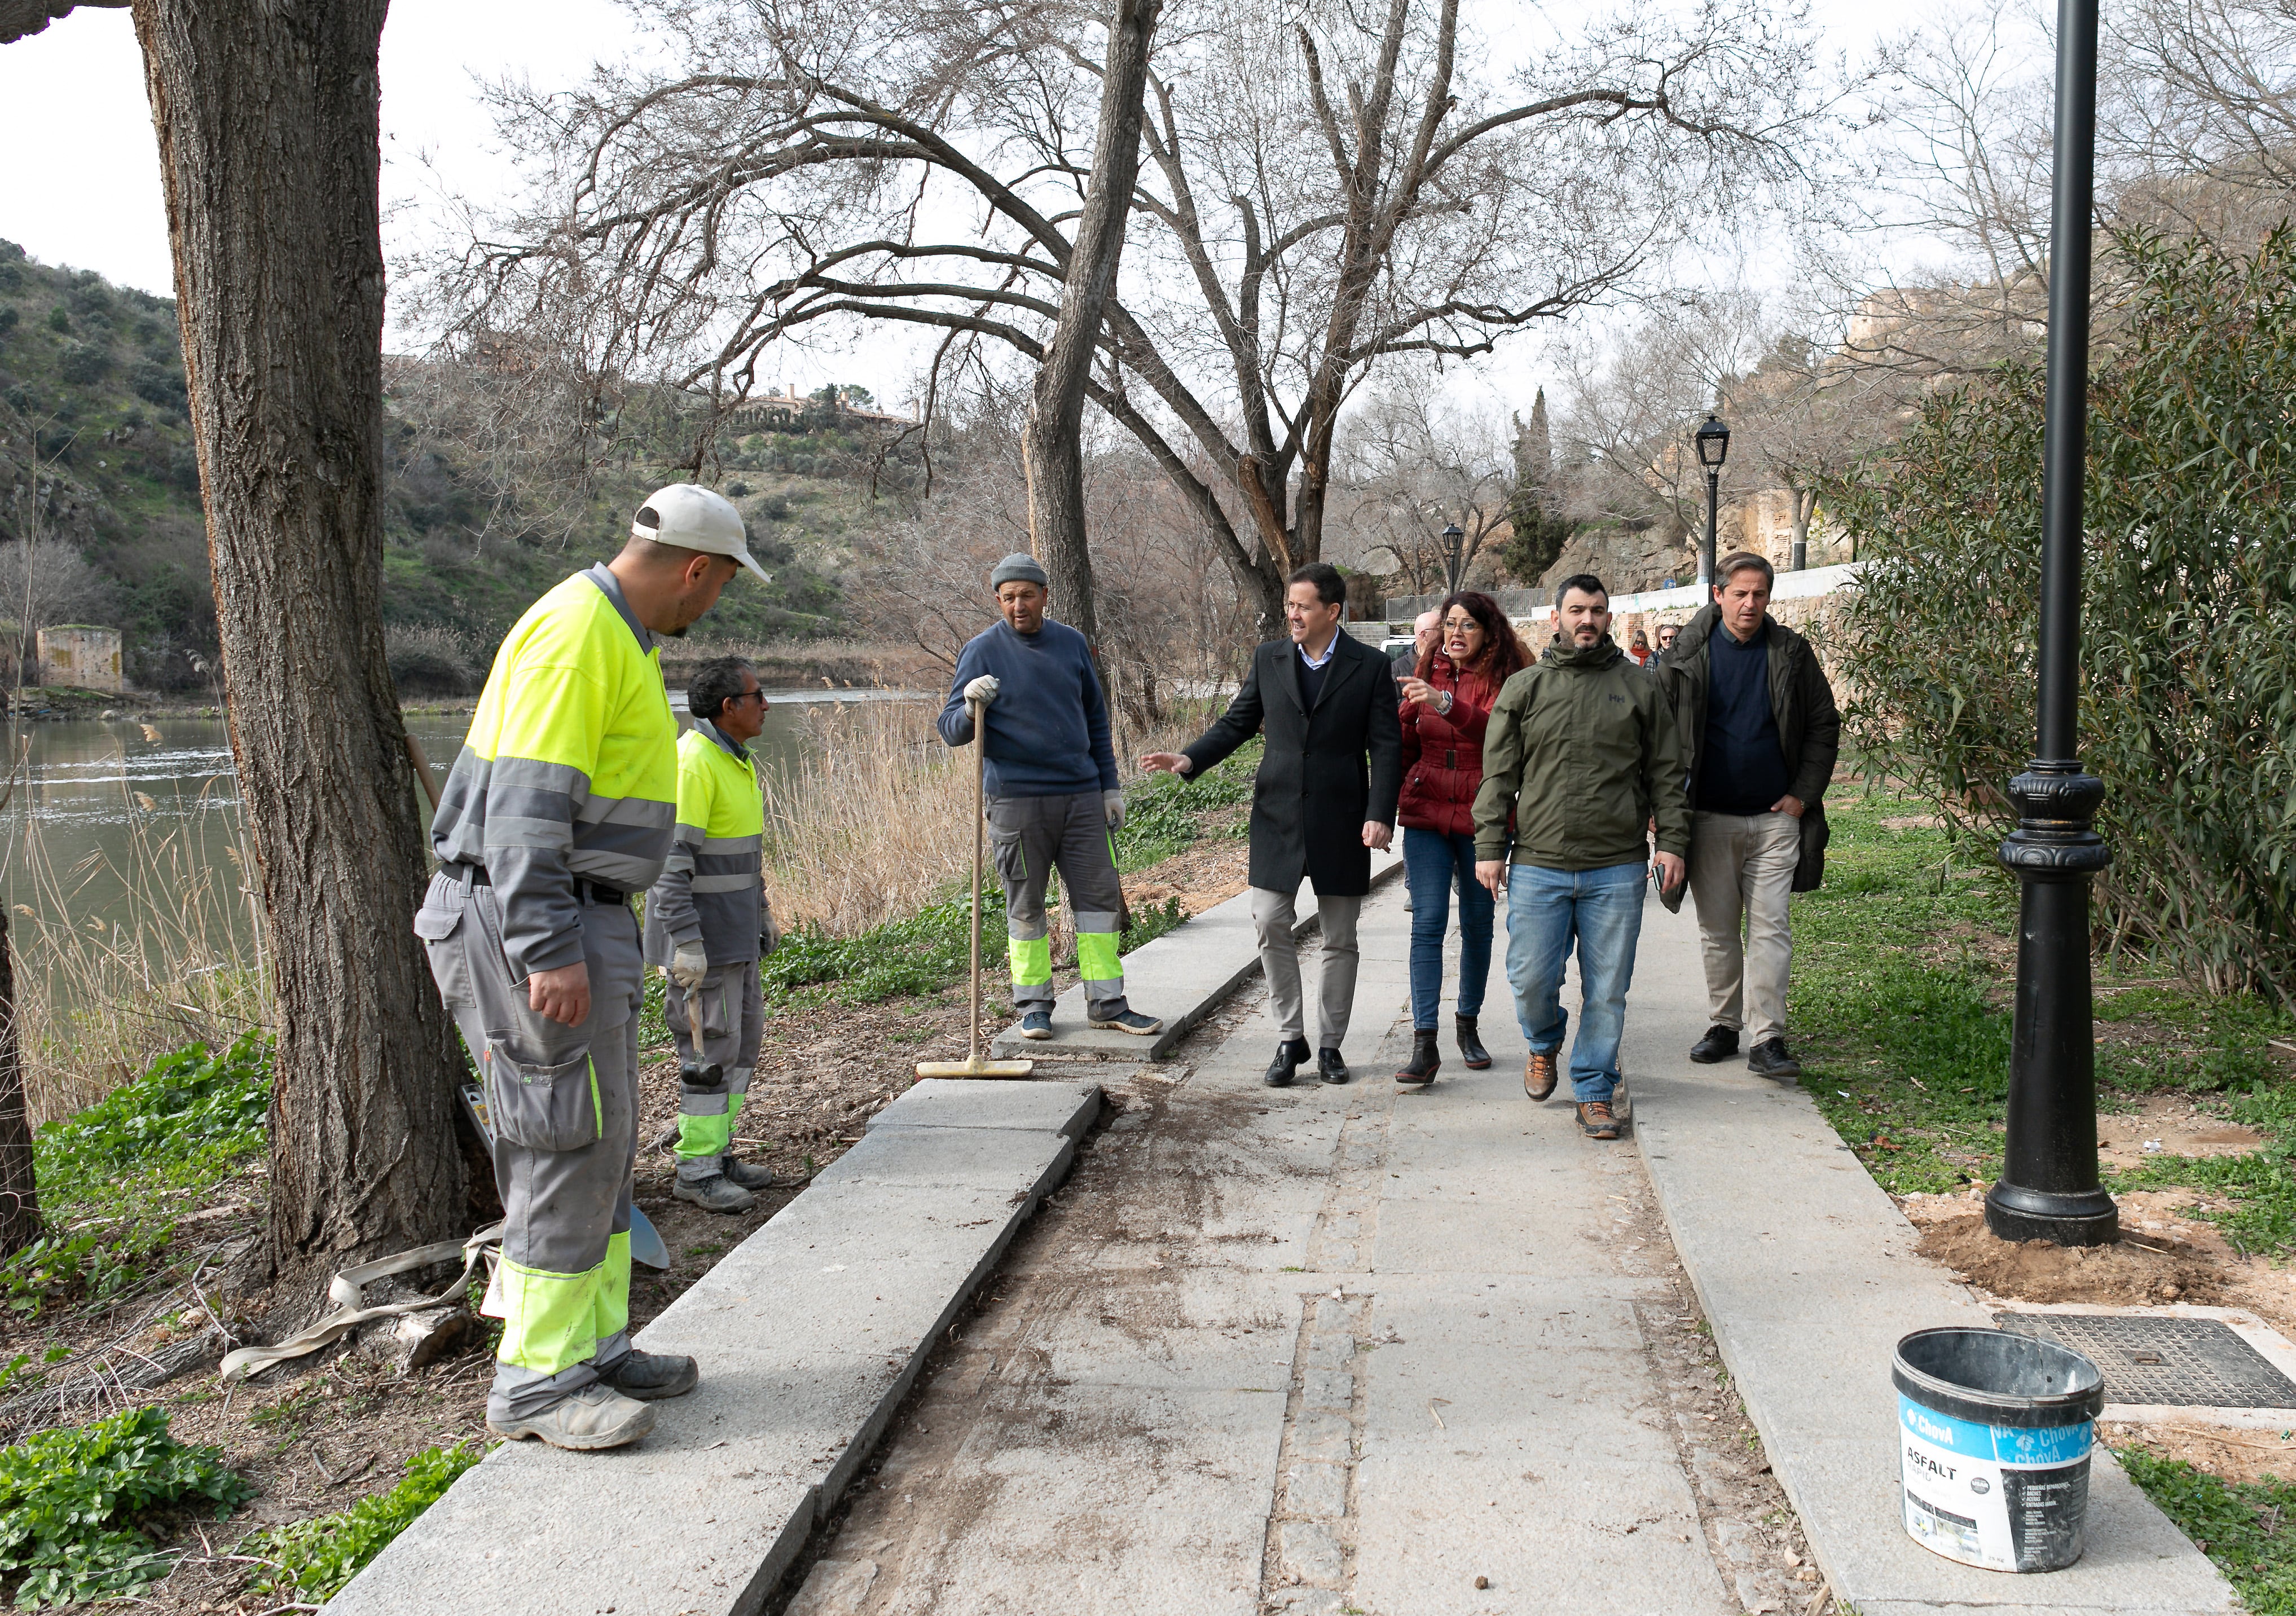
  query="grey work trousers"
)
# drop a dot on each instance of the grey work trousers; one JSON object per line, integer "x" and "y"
{"x": 730, "y": 1008}
{"x": 1030, "y": 838}
{"x": 1741, "y": 871}
{"x": 1273, "y": 916}
{"x": 563, "y": 1101}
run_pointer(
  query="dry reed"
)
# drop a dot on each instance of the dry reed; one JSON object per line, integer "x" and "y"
{"x": 175, "y": 960}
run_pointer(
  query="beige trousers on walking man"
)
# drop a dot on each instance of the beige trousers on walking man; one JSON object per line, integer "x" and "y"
{"x": 1273, "y": 917}
{"x": 1741, "y": 870}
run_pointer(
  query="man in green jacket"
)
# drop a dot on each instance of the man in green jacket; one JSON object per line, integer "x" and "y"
{"x": 1581, "y": 756}
{"x": 1761, "y": 733}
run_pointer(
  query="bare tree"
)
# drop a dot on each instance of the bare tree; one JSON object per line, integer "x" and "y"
{"x": 1324, "y": 188}
{"x": 269, "y": 127}
{"x": 1425, "y": 484}
{"x": 1807, "y": 415}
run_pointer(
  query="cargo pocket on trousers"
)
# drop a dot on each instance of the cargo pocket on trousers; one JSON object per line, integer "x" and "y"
{"x": 1006, "y": 856}
{"x": 543, "y": 1108}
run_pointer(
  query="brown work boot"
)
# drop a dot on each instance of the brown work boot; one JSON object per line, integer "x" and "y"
{"x": 1538, "y": 1074}
{"x": 1596, "y": 1121}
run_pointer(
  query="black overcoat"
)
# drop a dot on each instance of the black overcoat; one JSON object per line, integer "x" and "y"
{"x": 1325, "y": 773}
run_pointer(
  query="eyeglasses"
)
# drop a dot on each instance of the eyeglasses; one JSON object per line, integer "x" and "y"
{"x": 747, "y": 695}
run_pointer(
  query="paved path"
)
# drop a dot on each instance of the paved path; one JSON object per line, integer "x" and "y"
{"x": 1325, "y": 1349}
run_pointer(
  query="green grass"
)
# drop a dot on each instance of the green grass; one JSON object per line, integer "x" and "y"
{"x": 1905, "y": 1018}
{"x": 313, "y": 1559}
{"x": 2243, "y": 1526}
{"x": 69, "y": 1500}
{"x": 106, "y": 1175}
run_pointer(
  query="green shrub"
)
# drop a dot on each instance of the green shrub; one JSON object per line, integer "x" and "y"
{"x": 68, "y": 1499}
{"x": 192, "y": 1107}
{"x": 83, "y": 363}
{"x": 2188, "y": 650}
{"x": 59, "y": 319}
{"x": 316, "y": 1558}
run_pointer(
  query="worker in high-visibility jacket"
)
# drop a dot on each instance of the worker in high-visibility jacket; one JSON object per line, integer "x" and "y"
{"x": 562, "y": 805}
{"x": 707, "y": 924}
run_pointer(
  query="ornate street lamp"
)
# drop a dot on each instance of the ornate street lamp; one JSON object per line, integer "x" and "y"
{"x": 1451, "y": 567}
{"x": 2049, "y": 1187}
{"x": 1713, "y": 441}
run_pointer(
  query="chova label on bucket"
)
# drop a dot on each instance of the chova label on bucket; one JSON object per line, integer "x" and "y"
{"x": 2006, "y": 1497}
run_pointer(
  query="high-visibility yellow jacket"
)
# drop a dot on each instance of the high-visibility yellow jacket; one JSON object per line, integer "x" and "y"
{"x": 569, "y": 769}
{"x": 711, "y": 891}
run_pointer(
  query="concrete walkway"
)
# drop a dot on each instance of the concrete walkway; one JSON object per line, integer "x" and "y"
{"x": 1321, "y": 1350}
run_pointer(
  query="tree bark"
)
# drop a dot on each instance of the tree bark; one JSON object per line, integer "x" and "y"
{"x": 1056, "y": 427}
{"x": 268, "y": 124}
{"x": 20, "y": 1205}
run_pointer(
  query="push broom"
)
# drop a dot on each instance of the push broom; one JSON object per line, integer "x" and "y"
{"x": 974, "y": 1065}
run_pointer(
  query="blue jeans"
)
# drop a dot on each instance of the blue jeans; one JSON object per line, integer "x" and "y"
{"x": 1603, "y": 910}
{"x": 1433, "y": 863}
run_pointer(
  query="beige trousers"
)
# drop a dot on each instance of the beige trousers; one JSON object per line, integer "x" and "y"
{"x": 1742, "y": 869}
{"x": 1273, "y": 914}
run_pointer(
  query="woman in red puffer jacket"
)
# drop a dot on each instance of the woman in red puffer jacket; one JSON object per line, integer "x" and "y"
{"x": 1446, "y": 706}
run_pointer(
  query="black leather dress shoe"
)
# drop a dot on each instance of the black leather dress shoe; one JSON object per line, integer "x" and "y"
{"x": 1330, "y": 1068}
{"x": 1719, "y": 1044}
{"x": 1289, "y": 1053}
{"x": 1770, "y": 1059}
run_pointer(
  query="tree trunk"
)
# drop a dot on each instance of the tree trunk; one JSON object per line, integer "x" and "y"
{"x": 1055, "y": 427}
{"x": 20, "y": 1205}
{"x": 267, "y": 118}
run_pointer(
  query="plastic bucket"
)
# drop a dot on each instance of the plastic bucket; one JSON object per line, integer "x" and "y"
{"x": 1995, "y": 1431}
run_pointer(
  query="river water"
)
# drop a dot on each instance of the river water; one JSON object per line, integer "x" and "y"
{"x": 108, "y": 817}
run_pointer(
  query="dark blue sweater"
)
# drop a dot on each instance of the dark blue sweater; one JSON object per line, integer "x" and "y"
{"x": 1048, "y": 726}
{"x": 1742, "y": 768}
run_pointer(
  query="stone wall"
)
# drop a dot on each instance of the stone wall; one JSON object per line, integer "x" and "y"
{"x": 78, "y": 655}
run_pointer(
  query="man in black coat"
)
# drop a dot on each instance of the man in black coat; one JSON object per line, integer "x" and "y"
{"x": 1323, "y": 799}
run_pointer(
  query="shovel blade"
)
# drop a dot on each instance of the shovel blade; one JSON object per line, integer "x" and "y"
{"x": 645, "y": 1242}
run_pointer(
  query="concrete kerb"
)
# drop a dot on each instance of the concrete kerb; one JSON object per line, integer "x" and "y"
{"x": 809, "y": 1334}
{"x": 1808, "y": 1277}
{"x": 1181, "y": 978}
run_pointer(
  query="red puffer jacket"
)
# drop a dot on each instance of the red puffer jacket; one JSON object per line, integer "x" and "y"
{"x": 1443, "y": 752}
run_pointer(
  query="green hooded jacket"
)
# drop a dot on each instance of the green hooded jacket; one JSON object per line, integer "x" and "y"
{"x": 1583, "y": 753}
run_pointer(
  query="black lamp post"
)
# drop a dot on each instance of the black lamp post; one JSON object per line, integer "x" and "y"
{"x": 2049, "y": 1187}
{"x": 1713, "y": 441}
{"x": 1451, "y": 567}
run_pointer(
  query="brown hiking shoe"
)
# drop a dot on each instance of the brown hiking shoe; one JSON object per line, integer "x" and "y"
{"x": 1596, "y": 1121}
{"x": 1538, "y": 1074}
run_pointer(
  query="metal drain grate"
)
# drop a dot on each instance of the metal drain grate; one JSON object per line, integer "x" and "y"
{"x": 2188, "y": 1362}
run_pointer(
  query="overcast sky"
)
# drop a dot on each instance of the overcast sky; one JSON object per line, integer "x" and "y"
{"x": 90, "y": 198}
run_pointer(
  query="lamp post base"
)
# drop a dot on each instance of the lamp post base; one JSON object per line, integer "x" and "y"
{"x": 2081, "y": 1218}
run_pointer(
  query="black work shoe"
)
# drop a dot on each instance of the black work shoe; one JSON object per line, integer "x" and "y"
{"x": 1426, "y": 1058}
{"x": 1770, "y": 1059}
{"x": 715, "y": 1193}
{"x": 1132, "y": 1021}
{"x": 649, "y": 1376}
{"x": 745, "y": 1175}
{"x": 1719, "y": 1044}
{"x": 1330, "y": 1068}
{"x": 1471, "y": 1044}
{"x": 1289, "y": 1053}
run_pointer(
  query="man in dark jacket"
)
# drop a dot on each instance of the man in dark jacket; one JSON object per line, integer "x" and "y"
{"x": 1758, "y": 723}
{"x": 1581, "y": 756}
{"x": 1323, "y": 799}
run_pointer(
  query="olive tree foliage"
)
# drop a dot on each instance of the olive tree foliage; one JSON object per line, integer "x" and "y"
{"x": 1321, "y": 187}
{"x": 2188, "y": 651}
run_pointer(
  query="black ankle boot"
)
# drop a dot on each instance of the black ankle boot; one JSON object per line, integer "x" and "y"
{"x": 1470, "y": 1045}
{"x": 1424, "y": 1058}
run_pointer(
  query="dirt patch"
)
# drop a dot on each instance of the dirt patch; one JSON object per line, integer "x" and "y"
{"x": 2169, "y": 1125}
{"x": 2236, "y": 1455}
{"x": 2037, "y": 1271}
{"x": 1914, "y": 822}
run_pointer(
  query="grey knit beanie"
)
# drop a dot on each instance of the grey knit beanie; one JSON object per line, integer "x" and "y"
{"x": 1018, "y": 568}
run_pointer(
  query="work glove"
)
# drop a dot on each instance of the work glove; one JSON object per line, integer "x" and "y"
{"x": 1111, "y": 805}
{"x": 982, "y": 689}
{"x": 769, "y": 930}
{"x": 688, "y": 966}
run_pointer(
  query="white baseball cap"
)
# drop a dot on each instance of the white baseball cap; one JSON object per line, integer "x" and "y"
{"x": 695, "y": 518}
